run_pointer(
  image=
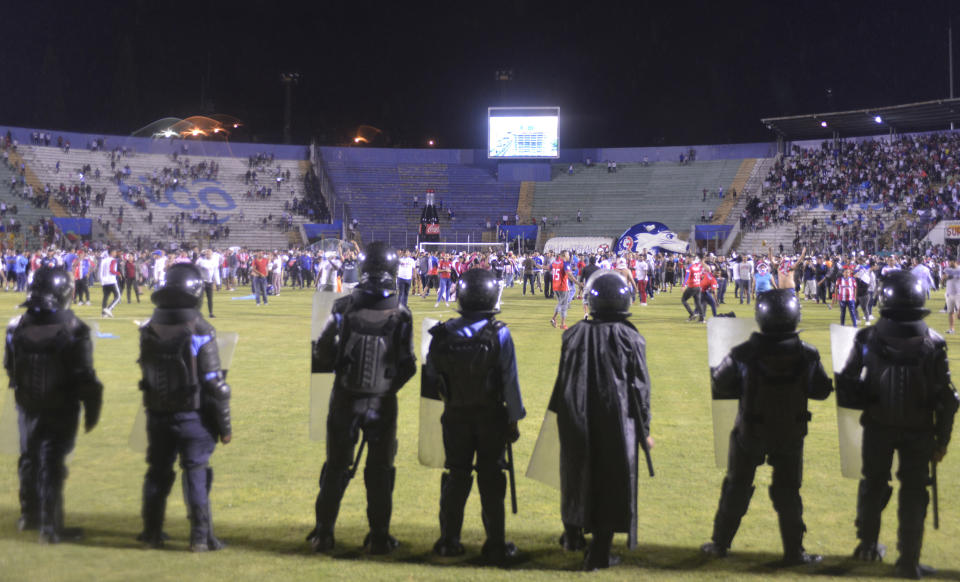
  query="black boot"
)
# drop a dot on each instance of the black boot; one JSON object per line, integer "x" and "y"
{"x": 29, "y": 502}
{"x": 789, "y": 507}
{"x": 379, "y": 483}
{"x": 156, "y": 488}
{"x": 52, "y": 530}
{"x": 572, "y": 539}
{"x": 872, "y": 498}
{"x": 199, "y": 528}
{"x": 333, "y": 483}
{"x": 734, "y": 501}
{"x": 454, "y": 490}
{"x": 493, "y": 487}
{"x": 598, "y": 553}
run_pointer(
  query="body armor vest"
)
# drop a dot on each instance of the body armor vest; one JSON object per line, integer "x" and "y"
{"x": 901, "y": 393}
{"x": 367, "y": 362}
{"x": 39, "y": 369}
{"x": 468, "y": 365}
{"x": 170, "y": 380}
{"x": 774, "y": 407}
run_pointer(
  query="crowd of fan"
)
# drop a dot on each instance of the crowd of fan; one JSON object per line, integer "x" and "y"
{"x": 880, "y": 194}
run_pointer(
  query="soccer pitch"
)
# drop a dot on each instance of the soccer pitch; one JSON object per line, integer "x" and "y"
{"x": 266, "y": 478}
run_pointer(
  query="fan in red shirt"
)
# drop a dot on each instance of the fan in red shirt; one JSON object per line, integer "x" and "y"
{"x": 560, "y": 273}
{"x": 708, "y": 286}
{"x": 692, "y": 289}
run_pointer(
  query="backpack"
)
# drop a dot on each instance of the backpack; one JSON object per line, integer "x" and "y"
{"x": 170, "y": 377}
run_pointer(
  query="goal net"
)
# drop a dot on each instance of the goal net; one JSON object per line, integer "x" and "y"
{"x": 468, "y": 247}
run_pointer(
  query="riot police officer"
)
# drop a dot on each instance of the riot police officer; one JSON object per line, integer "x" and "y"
{"x": 772, "y": 374}
{"x": 49, "y": 360}
{"x": 908, "y": 406}
{"x": 602, "y": 401}
{"x": 368, "y": 343}
{"x": 472, "y": 367}
{"x": 188, "y": 405}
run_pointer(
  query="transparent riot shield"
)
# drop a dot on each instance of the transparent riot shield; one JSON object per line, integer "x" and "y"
{"x": 848, "y": 419}
{"x": 544, "y": 463}
{"x": 9, "y": 430}
{"x": 723, "y": 334}
{"x": 321, "y": 384}
{"x": 430, "y": 447}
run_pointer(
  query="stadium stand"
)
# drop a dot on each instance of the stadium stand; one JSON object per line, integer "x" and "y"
{"x": 157, "y": 208}
{"x": 612, "y": 201}
{"x": 864, "y": 194}
{"x": 380, "y": 195}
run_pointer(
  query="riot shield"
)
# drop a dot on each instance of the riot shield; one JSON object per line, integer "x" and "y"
{"x": 9, "y": 430}
{"x": 723, "y": 334}
{"x": 544, "y": 463}
{"x": 430, "y": 448}
{"x": 848, "y": 419}
{"x": 226, "y": 346}
{"x": 138, "y": 434}
{"x": 321, "y": 385}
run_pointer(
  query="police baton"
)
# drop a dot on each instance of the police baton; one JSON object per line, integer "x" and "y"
{"x": 646, "y": 453}
{"x": 513, "y": 479}
{"x": 936, "y": 495}
{"x": 356, "y": 460}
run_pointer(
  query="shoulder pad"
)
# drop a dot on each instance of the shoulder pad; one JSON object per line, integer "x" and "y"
{"x": 15, "y": 321}
{"x": 937, "y": 339}
{"x": 342, "y": 305}
{"x": 205, "y": 327}
{"x": 440, "y": 328}
{"x": 145, "y": 323}
{"x": 405, "y": 313}
{"x": 743, "y": 352}
{"x": 811, "y": 353}
{"x": 496, "y": 325}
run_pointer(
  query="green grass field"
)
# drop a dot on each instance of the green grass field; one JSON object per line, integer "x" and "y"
{"x": 266, "y": 479}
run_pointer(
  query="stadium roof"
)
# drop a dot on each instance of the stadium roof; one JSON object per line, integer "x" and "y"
{"x": 923, "y": 116}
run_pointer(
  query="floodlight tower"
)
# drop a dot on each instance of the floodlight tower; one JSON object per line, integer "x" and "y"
{"x": 288, "y": 80}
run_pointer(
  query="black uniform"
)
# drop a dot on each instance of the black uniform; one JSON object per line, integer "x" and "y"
{"x": 49, "y": 360}
{"x": 773, "y": 375}
{"x": 188, "y": 409}
{"x": 908, "y": 406}
{"x": 472, "y": 367}
{"x": 368, "y": 342}
{"x": 602, "y": 400}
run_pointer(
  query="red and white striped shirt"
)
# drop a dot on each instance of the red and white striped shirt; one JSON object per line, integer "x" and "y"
{"x": 846, "y": 289}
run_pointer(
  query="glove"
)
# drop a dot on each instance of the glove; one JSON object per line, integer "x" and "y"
{"x": 91, "y": 414}
{"x": 513, "y": 432}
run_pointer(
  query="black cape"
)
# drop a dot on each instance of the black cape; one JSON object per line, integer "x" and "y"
{"x": 602, "y": 401}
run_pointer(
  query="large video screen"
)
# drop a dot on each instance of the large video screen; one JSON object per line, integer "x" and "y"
{"x": 523, "y": 132}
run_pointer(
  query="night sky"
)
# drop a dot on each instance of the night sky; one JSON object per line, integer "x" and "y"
{"x": 624, "y": 74}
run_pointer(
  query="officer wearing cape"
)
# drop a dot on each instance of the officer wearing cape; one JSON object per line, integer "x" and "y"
{"x": 49, "y": 360}
{"x": 897, "y": 374}
{"x": 772, "y": 375}
{"x": 187, "y": 403}
{"x": 472, "y": 367}
{"x": 602, "y": 401}
{"x": 368, "y": 342}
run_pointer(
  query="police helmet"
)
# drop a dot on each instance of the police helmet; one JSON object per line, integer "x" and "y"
{"x": 778, "y": 311}
{"x": 378, "y": 270}
{"x": 50, "y": 290}
{"x": 182, "y": 288}
{"x": 609, "y": 295}
{"x": 902, "y": 297}
{"x": 477, "y": 293}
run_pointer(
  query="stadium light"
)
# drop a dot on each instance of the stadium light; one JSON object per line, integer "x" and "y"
{"x": 430, "y": 143}
{"x": 878, "y": 119}
{"x": 823, "y": 124}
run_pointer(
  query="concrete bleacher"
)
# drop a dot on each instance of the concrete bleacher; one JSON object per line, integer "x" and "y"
{"x": 225, "y": 195}
{"x": 612, "y": 202}
{"x": 27, "y": 214}
{"x": 380, "y": 196}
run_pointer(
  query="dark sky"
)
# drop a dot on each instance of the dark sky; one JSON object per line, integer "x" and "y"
{"x": 624, "y": 74}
